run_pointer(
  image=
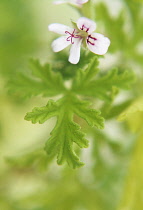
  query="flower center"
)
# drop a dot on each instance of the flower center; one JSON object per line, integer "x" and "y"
{"x": 89, "y": 38}
{"x": 72, "y": 35}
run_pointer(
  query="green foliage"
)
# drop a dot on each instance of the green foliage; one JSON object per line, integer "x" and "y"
{"x": 35, "y": 159}
{"x": 44, "y": 113}
{"x": 133, "y": 115}
{"x": 42, "y": 82}
{"x": 86, "y": 84}
{"x": 66, "y": 131}
{"x": 92, "y": 116}
{"x": 125, "y": 30}
{"x": 114, "y": 27}
{"x": 114, "y": 111}
{"x": 68, "y": 70}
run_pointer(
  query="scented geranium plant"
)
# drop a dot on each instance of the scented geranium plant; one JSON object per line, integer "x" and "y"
{"x": 89, "y": 87}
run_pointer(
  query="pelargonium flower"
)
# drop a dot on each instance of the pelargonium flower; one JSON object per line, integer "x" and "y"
{"x": 74, "y": 2}
{"x": 82, "y": 32}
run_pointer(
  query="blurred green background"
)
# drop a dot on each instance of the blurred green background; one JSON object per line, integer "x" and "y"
{"x": 28, "y": 181}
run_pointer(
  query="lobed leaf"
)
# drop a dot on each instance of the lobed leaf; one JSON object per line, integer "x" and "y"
{"x": 92, "y": 116}
{"x": 84, "y": 77}
{"x": 43, "y": 82}
{"x": 61, "y": 142}
{"x": 66, "y": 131}
{"x": 52, "y": 80}
{"x": 105, "y": 86}
{"x": 25, "y": 87}
{"x": 42, "y": 114}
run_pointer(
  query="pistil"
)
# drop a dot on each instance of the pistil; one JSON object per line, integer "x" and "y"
{"x": 72, "y": 35}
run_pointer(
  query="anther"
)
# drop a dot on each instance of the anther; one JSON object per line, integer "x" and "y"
{"x": 90, "y": 37}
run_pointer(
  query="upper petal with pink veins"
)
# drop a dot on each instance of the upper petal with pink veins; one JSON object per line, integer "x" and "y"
{"x": 86, "y": 24}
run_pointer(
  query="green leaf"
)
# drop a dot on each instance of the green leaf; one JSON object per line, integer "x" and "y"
{"x": 66, "y": 132}
{"x": 61, "y": 142}
{"x": 42, "y": 114}
{"x": 43, "y": 82}
{"x": 86, "y": 76}
{"x": 92, "y": 116}
{"x": 136, "y": 106}
{"x": 52, "y": 80}
{"x": 133, "y": 115}
{"x": 114, "y": 111}
{"x": 68, "y": 70}
{"x": 104, "y": 87}
{"x": 24, "y": 86}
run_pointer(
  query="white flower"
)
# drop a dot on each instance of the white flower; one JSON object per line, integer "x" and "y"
{"x": 74, "y": 2}
{"x": 83, "y": 31}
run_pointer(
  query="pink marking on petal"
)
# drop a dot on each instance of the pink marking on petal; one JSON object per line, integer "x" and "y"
{"x": 88, "y": 40}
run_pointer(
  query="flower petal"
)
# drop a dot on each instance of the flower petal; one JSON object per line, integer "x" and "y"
{"x": 86, "y": 24}
{"x": 75, "y": 51}
{"x": 59, "y": 28}
{"x": 60, "y": 43}
{"x": 97, "y": 43}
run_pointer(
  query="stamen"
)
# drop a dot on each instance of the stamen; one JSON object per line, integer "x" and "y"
{"x": 72, "y": 35}
{"x": 90, "y": 37}
{"x": 84, "y": 27}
